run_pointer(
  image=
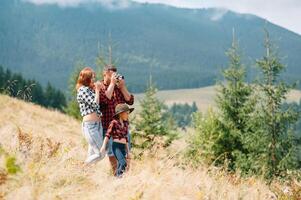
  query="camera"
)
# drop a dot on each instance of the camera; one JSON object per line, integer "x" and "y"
{"x": 119, "y": 77}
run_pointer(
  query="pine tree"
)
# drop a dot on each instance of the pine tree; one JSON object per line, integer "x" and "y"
{"x": 182, "y": 114}
{"x": 219, "y": 134}
{"x": 105, "y": 57}
{"x": 54, "y": 98}
{"x": 49, "y": 95}
{"x": 2, "y": 78}
{"x": 37, "y": 93}
{"x": 235, "y": 106}
{"x": 151, "y": 129}
{"x": 272, "y": 146}
{"x": 194, "y": 107}
{"x": 15, "y": 85}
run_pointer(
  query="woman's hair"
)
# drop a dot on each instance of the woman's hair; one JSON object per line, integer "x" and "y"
{"x": 85, "y": 78}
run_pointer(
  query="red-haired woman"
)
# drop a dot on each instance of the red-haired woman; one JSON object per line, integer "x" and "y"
{"x": 88, "y": 100}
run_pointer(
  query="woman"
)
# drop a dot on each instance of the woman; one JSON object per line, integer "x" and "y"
{"x": 118, "y": 130}
{"x": 88, "y": 100}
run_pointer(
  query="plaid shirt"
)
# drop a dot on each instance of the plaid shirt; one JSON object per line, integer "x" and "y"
{"x": 116, "y": 131}
{"x": 107, "y": 106}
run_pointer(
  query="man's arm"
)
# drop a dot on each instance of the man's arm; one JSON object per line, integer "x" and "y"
{"x": 110, "y": 90}
{"x": 127, "y": 96}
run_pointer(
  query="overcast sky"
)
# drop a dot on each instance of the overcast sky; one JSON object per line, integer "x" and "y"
{"x": 286, "y": 13}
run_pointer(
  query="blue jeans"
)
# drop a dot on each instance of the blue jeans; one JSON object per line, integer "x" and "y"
{"x": 92, "y": 132}
{"x": 109, "y": 146}
{"x": 119, "y": 151}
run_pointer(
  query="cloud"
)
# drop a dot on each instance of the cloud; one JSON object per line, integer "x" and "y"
{"x": 286, "y": 13}
{"x": 218, "y": 14}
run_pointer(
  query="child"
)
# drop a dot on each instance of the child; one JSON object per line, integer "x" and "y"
{"x": 118, "y": 130}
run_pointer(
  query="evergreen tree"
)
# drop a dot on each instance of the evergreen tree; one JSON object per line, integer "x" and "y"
{"x": 2, "y": 78}
{"x": 49, "y": 95}
{"x": 151, "y": 129}
{"x": 29, "y": 90}
{"x": 54, "y": 98}
{"x": 38, "y": 94}
{"x": 194, "y": 107}
{"x": 272, "y": 145}
{"x": 105, "y": 57}
{"x": 220, "y": 134}
{"x": 202, "y": 145}
{"x": 235, "y": 107}
{"x": 182, "y": 113}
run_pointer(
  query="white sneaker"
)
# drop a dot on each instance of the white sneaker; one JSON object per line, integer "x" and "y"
{"x": 94, "y": 158}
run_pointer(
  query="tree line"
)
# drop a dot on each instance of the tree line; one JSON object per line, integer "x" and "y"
{"x": 15, "y": 85}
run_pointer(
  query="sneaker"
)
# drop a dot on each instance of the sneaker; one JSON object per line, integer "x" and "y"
{"x": 94, "y": 158}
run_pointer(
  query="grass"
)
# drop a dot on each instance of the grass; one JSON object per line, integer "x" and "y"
{"x": 49, "y": 148}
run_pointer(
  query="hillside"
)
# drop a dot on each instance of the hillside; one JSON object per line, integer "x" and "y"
{"x": 203, "y": 97}
{"x": 32, "y": 133}
{"x": 181, "y": 48}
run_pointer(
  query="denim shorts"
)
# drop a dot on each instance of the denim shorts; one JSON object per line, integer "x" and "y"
{"x": 109, "y": 146}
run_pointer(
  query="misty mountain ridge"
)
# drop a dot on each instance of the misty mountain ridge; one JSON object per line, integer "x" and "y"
{"x": 46, "y": 41}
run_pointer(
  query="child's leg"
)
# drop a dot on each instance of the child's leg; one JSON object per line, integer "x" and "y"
{"x": 129, "y": 139}
{"x": 120, "y": 154}
{"x": 110, "y": 154}
{"x": 128, "y": 161}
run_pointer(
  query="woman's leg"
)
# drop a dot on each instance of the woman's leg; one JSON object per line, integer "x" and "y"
{"x": 85, "y": 132}
{"x": 120, "y": 154}
{"x": 93, "y": 134}
{"x": 90, "y": 150}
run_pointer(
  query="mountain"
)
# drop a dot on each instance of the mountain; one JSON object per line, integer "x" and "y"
{"x": 50, "y": 154}
{"x": 180, "y": 48}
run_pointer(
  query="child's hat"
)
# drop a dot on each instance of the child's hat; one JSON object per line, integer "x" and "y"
{"x": 120, "y": 108}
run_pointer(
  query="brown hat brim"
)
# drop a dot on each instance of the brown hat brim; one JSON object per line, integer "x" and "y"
{"x": 130, "y": 109}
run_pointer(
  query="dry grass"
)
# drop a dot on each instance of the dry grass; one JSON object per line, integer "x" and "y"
{"x": 48, "y": 147}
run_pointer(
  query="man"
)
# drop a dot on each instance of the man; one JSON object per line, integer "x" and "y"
{"x": 116, "y": 93}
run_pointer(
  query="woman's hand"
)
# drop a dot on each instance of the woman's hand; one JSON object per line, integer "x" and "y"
{"x": 97, "y": 86}
{"x": 103, "y": 150}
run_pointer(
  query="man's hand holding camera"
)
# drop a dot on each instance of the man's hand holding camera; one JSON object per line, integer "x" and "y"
{"x": 114, "y": 79}
{"x": 121, "y": 84}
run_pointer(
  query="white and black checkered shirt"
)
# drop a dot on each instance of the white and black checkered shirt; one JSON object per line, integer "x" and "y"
{"x": 87, "y": 102}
